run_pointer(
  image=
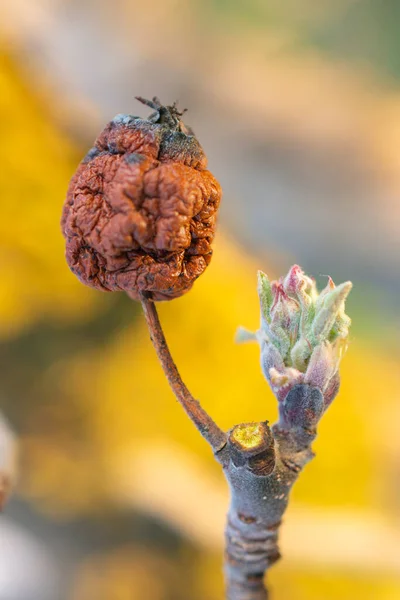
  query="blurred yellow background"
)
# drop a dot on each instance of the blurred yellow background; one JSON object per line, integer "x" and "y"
{"x": 298, "y": 109}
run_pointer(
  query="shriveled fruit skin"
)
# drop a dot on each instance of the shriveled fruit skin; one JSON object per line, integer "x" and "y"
{"x": 141, "y": 209}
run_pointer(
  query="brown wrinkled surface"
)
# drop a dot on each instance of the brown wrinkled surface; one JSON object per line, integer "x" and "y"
{"x": 140, "y": 211}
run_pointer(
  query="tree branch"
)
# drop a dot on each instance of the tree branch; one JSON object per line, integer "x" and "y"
{"x": 204, "y": 423}
{"x": 261, "y": 467}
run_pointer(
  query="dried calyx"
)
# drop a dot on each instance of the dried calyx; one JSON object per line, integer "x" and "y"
{"x": 141, "y": 209}
{"x": 168, "y": 115}
{"x": 303, "y": 333}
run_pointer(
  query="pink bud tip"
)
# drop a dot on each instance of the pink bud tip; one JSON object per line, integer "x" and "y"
{"x": 293, "y": 279}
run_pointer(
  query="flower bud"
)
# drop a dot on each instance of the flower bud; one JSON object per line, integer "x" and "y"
{"x": 303, "y": 333}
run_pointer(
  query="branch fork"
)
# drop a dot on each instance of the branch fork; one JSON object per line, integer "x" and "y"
{"x": 260, "y": 466}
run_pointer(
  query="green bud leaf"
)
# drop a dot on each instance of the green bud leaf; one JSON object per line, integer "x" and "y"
{"x": 265, "y": 295}
{"x": 332, "y": 307}
{"x": 244, "y": 335}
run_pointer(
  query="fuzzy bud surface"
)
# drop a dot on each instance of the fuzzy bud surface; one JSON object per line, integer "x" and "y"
{"x": 303, "y": 333}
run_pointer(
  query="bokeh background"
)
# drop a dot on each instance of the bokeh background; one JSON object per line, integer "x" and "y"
{"x": 297, "y": 104}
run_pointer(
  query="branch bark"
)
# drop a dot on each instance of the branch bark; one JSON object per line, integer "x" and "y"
{"x": 261, "y": 467}
{"x": 204, "y": 423}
